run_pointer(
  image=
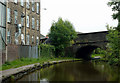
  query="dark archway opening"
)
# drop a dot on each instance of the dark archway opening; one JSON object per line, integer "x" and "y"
{"x": 85, "y": 52}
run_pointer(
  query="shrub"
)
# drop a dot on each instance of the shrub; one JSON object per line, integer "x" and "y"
{"x": 113, "y": 46}
{"x": 99, "y": 52}
{"x": 46, "y": 50}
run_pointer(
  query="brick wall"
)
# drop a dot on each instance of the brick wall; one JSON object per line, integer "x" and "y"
{"x": 2, "y": 57}
{"x": 12, "y": 52}
{"x": 17, "y": 52}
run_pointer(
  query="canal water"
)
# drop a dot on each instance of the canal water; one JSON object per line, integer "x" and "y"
{"x": 74, "y": 71}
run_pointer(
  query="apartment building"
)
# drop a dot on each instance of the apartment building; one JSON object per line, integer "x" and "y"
{"x": 23, "y": 22}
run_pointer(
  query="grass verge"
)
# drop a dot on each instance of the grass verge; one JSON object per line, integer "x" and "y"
{"x": 28, "y": 61}
{"x": 95, "y": 55}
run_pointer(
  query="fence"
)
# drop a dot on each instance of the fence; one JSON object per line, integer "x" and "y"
{"x": 16, "y": 52}
{"x": 28, "y": 51}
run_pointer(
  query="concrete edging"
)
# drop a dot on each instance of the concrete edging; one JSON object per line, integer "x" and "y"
{"x": 17, "y": 73}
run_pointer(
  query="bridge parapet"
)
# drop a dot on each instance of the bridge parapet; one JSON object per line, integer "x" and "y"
{"x": 91, "y": 37}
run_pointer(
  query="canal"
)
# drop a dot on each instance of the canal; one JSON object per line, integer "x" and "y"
{"x": 74, "y": 71}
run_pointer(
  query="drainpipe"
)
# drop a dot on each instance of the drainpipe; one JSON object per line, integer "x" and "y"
{"x": 25, "y": 23}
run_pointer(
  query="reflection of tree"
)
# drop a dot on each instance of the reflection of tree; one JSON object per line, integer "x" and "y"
{"x": 47, "y": 73}
{"x": 75, "y": 71}
{"x": 111, "y": 72}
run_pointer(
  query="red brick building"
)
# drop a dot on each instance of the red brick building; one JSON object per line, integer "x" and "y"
{"x": 23, "y": 22}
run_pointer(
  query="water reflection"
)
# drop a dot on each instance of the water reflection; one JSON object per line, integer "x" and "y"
{"x": 74, "y": 71}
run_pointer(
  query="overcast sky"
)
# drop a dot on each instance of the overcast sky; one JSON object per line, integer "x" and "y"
{"x": 85, "y": 15}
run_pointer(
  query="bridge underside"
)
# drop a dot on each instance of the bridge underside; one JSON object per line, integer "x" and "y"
{"x": 85, "y": 52}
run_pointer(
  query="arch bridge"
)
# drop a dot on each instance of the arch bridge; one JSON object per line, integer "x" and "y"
{"x": 86, "y": 43}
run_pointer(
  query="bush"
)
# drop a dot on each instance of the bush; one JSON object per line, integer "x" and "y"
{"x": 113, "y": 46}
{"x": 7, "y": 63}
{"x": 46, "y": 50}
{"x": 99, "y": 52}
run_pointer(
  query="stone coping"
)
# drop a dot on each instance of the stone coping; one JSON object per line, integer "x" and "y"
{"x": 6, "y": 75}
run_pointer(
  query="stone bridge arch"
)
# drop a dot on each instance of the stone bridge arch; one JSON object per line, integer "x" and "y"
{"x": 86, "y": 43}
{"x": 85, "y": 51}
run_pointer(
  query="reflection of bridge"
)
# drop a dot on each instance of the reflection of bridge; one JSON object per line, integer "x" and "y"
{"x": 87, "y": 42}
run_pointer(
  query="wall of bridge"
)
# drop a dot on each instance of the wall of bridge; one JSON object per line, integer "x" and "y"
{"x": 90, "y": 37}
{"x": 92, "y": 40}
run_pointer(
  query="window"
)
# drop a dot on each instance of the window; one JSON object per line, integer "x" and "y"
{"x": 8, "y": 37}
{"x": 2, "y": 38}
{"x": 22, "y": 3}
{"x": 15, "y": 12}
{"x": 33, "y": 5}
{"x": 37, "y": 24}
{"x": 22, "y": 21}
{"x": 27, "y": 37}
{"x": 19, "y": 31}
{"x": 27, "y": 21}
{"x": 8, "y": 15}
{"x": 22, "y": 39}
{"x": 27, "y": 4}
{"x": 2, "y": 24}
{"x": 37, "y": 40}
{"x": 32, "y": 39}
{"x": 38, "y": 8}
{"x": 16, "y": 38}
{"x": 3, "y": 1}
{"x": 2, "y": 15}
{"x": 15, "y": 1}
{"x": 33, "y": 23}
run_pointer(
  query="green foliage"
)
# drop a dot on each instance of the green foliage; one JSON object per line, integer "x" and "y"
{"x": 114, "y": 35}
{"x": 99, "y": 52}
{"x": 116, "y": 8}
{"x": 113, "y": 46}
{"x": 46, "y": 50}
{"x": 61, "y": 35}
{"x": 7, "y": 63}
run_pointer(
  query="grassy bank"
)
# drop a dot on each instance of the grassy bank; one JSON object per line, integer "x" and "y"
{"x": 28, "y": 61}
{"x": 96, "y": 55}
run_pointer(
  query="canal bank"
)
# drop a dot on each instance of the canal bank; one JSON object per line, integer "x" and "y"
{"x": 16, "y": 73}
{"x": 77, "y": 71}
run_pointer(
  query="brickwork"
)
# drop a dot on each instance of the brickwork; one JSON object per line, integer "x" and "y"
{"x": 92, "y": 37}
{"x": 12, "y": 27}
{"x": 17, "y": 51}
{"x": 87, "y": 42}
{"x": 3, "y": 58}
{"x": 12, "y": 52}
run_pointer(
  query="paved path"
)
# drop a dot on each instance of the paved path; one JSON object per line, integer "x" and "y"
{"x": 7, "y": 73}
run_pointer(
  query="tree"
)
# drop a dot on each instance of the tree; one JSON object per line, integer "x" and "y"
{"x": 61, "y": 33}
{"x": 116, "y": 8}
{"x": 114, "y": 35}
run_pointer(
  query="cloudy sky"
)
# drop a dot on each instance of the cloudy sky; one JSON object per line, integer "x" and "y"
{"x": 85, "y": 15}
